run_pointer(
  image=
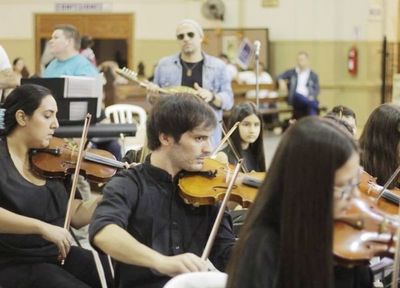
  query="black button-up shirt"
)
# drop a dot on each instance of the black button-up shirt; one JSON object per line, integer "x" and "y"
{"x": 144, "y": 200}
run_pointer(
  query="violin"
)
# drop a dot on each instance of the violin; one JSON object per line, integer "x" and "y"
{"x": 390, "y": 199}
{"x": 209, "y": 185}
{"x": 59, "y": 160}
{"x": 363, "y": 232}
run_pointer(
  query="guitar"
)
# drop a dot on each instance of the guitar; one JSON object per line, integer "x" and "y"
{"x": 132, "y": 76}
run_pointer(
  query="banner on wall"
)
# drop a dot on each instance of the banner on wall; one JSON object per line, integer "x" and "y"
{"x": 244, "y": 53}
{"x": 82, "y": 7}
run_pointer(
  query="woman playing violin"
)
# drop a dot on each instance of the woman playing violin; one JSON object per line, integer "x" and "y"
{"x": 247, "y": 139}
{"x": 33, "y": 209}
{"x": 379, "y": 143}
{"x": 287, "y": 239}
{"x": 142, "y": 222}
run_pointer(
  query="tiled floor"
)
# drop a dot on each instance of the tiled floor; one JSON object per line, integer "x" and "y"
{"x": 271, "y": 141}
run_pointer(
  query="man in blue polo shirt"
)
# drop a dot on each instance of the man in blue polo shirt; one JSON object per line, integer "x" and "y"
{"x": 64, "y": 45}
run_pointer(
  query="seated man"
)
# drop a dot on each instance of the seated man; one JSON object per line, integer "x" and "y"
{"x": 303, "y": 86}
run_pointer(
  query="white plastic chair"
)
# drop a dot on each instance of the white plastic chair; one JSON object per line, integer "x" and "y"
{"x": 132, "y": 114}
{"x": 198, "y": 280}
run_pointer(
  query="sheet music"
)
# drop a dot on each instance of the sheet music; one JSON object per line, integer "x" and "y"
{"x": 78, "y": 110}
{"x": 82, "y": 86}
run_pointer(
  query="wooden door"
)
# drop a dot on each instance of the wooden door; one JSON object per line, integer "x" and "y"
{"x": 118, "y": 27}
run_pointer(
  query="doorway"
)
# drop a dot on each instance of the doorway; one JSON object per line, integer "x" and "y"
{"x": 112, "y": 34}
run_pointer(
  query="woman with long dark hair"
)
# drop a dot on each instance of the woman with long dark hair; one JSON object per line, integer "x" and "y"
{"x": 247, "y": 139}
{"x": 32, "y": 208}
{"x": 380, "y": 143}
{"x": 286, "y": 241}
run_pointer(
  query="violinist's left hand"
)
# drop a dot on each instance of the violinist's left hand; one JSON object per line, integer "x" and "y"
{"x": 221, "y": 157}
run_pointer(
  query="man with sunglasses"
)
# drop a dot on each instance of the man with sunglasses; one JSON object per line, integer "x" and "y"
{"x": 193, "y": 68}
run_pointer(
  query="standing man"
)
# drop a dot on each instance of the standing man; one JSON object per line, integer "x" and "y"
{"x": 64, "y": 45}
{"x": 193, "y": 68}
{"x": 8, "y": 79}
{"x": 143, "y": 222}
{"x": 303, "y": 86}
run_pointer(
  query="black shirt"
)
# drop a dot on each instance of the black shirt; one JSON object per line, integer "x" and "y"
{"x": 47, "y": 203}
{"x": 194, "y": 76}
{"x": 257, "y": 264}
{"x": 144, "y": 200}
{"x": 249, "y": 159}
{"x": 261, "y": 267}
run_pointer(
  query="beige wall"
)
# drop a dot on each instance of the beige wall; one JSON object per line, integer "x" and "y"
{"x": 324, "y": 28}
{"x": 328, "y": 59}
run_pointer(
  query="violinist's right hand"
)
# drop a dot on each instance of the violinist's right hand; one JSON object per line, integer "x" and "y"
{"x": 184, "y": 263}
{"x": 59, "y": 236}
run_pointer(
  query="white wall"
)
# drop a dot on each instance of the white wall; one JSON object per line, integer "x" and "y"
{"x": 316, "y": 20}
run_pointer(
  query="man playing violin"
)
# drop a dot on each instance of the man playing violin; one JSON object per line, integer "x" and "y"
{"x": 32, "y": 208}
{"x": 142, "y": 222}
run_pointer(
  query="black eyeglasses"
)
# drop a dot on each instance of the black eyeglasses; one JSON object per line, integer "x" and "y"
{"x": 182, "y": 35}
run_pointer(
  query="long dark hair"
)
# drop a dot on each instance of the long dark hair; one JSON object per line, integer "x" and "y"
{"x": 238, "y": 113}
{"x": 24, "y": 72}
{"x": 296, "y": 203}
{"x": 27, "y": 98}
{"x": 379, "y": 143}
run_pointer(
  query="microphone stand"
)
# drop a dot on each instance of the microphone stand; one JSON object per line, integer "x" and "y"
{"x": 257, "y": 61}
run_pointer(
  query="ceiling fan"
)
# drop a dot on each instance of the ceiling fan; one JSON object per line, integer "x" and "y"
{"x": 213, "y": 10}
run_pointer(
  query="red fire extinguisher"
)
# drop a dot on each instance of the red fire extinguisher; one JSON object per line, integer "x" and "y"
{"x": 352, "y": 61}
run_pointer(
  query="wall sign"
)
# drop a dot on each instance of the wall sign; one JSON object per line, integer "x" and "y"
{"x": 82, "y": 7}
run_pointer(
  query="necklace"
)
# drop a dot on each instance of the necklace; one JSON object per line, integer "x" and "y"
{"x": 189, "y": 70}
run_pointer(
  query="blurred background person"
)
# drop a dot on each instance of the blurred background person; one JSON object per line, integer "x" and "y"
{"x": 86, "y": 49}
{"x": 20, "y": 68}
{"x": 301, "y": 84}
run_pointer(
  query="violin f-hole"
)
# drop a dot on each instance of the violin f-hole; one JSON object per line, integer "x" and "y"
{"x": 52, "y": 151}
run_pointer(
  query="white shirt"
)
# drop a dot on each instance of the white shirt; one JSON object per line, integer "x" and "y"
{"x": 249, "y": 77}
{"x": 4, "y": 61}
{"x": 302, "y": 78}
{"x": 4, "y": 64}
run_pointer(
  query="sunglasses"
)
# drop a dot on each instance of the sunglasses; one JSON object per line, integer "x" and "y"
{"x": 182, "y": 35}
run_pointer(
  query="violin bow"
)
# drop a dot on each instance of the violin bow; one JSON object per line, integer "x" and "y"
{"x": 220, "y": 214}
{"x": 391, "y": 178}
{"x": 226, "y": 137}
{"x": 77, "y": 169}
{"x": 396, "y": 264}
{"x": 233, "y": 148}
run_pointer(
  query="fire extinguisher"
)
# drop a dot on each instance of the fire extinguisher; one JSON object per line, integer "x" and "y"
{"x": 352, "y": 61}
